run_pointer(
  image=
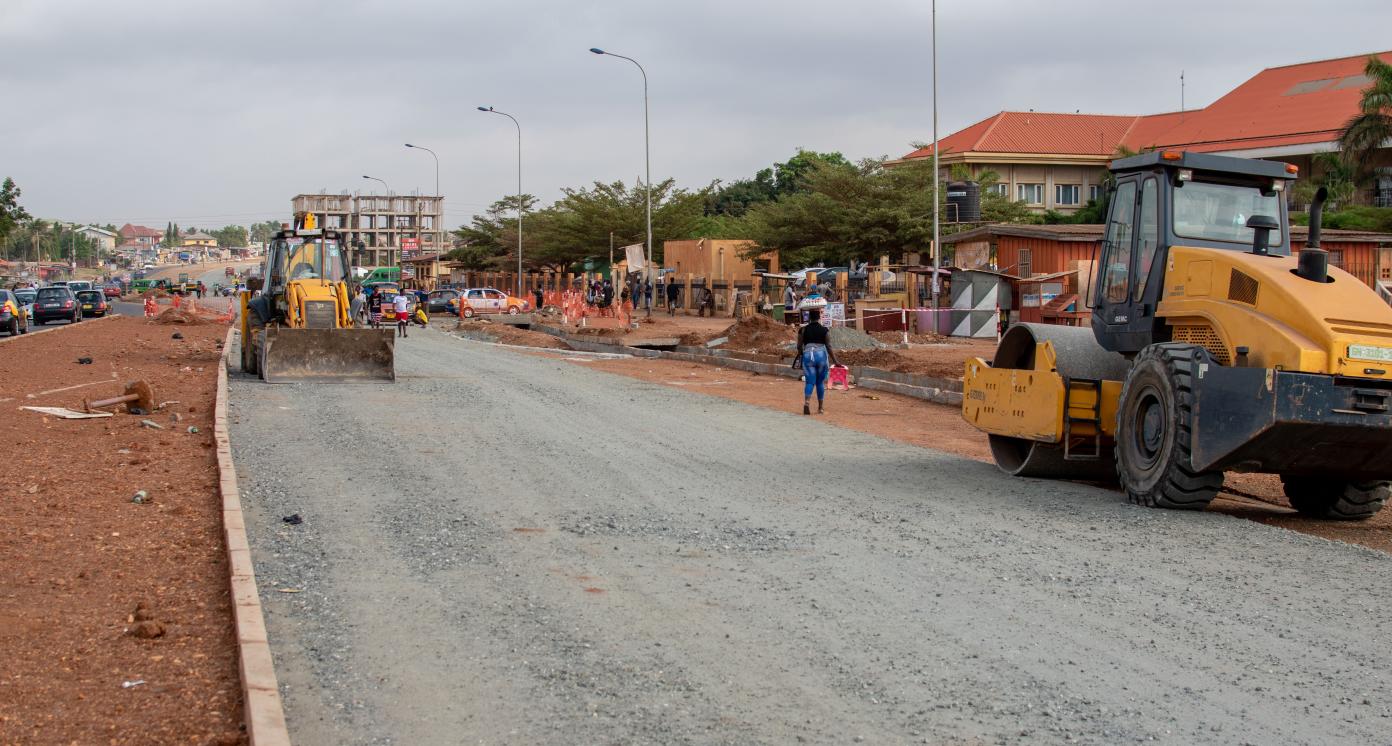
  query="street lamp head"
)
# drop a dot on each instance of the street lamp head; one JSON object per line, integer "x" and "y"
{"x": 409, "y": 145}
{"x": 366, "y": 176}
{"x": 485, "y": 108}
{"x": 597, "y": 50}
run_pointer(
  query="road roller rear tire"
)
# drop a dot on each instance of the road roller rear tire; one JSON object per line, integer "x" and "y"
{"x": 1155, "y": 430}
{"x": 1334, "y": 499}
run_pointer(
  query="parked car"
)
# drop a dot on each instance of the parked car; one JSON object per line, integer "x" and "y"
{"x": 13, "y": 318}
{"x": 93, "y": 303}
{"x": 56, "y": 303}
{"x": 443, "y": 301}
{"x": 26, "y": 299}
{"x": 490, "y": 300}
{"x": 112, "y": 290}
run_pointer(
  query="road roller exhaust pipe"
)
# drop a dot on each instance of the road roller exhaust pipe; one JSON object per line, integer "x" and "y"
{"x": 1313, "y": 264}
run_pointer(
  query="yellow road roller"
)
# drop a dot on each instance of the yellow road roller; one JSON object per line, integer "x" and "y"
{"x": 1215, "y": 346}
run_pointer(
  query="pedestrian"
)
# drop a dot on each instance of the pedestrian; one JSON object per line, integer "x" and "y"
{"x": 813, "y": 352}
{"x": 790, "y": 298}
{"x": 402, "y": 305}
{"x": 607, "y": 293}
{"x": 540, "y": 299}
{"x": 374, "y": 307}
{"x": 671, "y": 296}
{"x": 707, "y": 302}
{"x": 647, "y": 295}
{"x": 355, "y": 306}
{"x": 201, "y": 289}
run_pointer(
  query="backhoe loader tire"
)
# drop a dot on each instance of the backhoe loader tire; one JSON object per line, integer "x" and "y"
{"x": 1155, "y": 429}
{"x": 251, "y": 359}
{"x": 1332, "y": 499}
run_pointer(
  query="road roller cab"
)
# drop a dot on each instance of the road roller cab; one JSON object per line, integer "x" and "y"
{"x": 1213, "y": 347}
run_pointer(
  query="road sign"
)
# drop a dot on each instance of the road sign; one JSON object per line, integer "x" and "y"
{"x": 410, "y": 248}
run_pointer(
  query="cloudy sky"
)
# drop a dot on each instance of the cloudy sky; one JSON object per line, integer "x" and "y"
{"x": 210, "y": 113}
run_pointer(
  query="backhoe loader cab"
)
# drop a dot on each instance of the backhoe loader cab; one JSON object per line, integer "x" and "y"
{"x": 1215, "y": 346}
{"x": 299, "y": 327}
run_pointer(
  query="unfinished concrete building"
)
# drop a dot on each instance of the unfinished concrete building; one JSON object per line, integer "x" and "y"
{"x": 375, "y": 224}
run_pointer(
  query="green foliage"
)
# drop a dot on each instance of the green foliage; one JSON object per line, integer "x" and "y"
{"x": 1353, "y": 218}
{"x": 770, "y": 184}
{"x": 263, "y": 232}
{"x": 1335, "y": 174}
{"x": 231, "y": 235}
{"x": 1366, "y": 132}
{"x": 848, "y": 212}
{"x": 11, "y": 213}
{"x": 579, "y": 225}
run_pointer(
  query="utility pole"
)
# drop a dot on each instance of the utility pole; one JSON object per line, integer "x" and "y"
{"x": 937, "y": 247}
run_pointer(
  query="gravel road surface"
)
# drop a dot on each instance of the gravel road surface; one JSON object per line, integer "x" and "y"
{"x": 507, "y": 548}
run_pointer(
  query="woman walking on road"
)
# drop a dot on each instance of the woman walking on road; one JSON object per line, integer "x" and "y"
{"x": 815, "y": 353}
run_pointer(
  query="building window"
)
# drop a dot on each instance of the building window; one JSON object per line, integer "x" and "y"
{"x": 998, "y": 188}
{"x": 1336, "y": 258}
{"x": 1066, "y": 194}
{"x": 1025, "y": 267}
{"x": 1093, "y": 191}
{"x": 1030, "y": 194}
{"x": 403, "y": 221}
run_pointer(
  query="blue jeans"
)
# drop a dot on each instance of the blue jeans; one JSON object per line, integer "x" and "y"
{"x": 814, "y": 370}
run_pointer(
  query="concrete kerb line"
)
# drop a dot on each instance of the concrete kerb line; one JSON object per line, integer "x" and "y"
{"x": 935, "y": 390}
{"x": 264, "y": 714}
{"x": 59, "y": 328}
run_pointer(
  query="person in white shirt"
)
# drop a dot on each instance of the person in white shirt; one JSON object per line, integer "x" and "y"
{"x": 402, "y": 305}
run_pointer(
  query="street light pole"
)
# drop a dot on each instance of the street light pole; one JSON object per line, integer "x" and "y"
{"x": 491, "y": 110}
{"x": 647, "y": 160}
{"x": 439, "y": 234}
{"x": 937, "y": 248}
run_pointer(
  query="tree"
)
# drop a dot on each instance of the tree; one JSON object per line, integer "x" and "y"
{"x": 857, "y": 212}
{"x": 1335, "y": 173}
{"x": 1370, "y": 129}
{"x": 264, "y": 232}
{"x": 11, "y": 213}
{"x": 231, "y": 235}
{"x": 769, "y": 184}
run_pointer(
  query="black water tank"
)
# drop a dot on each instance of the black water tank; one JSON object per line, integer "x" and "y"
{"x": 964, "y": 201}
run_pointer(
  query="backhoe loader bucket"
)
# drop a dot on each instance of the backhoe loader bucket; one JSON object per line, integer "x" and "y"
{"x": 328, "y": 355}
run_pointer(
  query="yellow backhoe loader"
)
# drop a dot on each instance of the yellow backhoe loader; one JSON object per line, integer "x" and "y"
{"x": 1213, "y": 348}
{"x": 296, "y": 323}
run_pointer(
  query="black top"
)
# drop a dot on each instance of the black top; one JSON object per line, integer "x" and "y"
{"x": 814, "y": 334}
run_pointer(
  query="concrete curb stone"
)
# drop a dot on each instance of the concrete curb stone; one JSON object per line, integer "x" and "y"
{"x": 265, "y": 715}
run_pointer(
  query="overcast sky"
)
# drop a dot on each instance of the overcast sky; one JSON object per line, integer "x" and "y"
{"x": 210, "y": 113}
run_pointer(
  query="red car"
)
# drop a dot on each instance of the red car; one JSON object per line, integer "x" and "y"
{"x": 111, "y": 290}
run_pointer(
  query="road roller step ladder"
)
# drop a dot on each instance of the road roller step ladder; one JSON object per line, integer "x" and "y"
{"x": 1082, "y": 420}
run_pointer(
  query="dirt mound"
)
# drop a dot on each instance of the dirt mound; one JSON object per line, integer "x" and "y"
{"x": 944, "y": 366}
{"x": 757, "y": 334}
{"x": 510, "y": 335}
{"x": 179, "y": 316}
{"x": 154, "y": 293}
{"x": 845, "y": 338}
{"x": 895, "y": 338}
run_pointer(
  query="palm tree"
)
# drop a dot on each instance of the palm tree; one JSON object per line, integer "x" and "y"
{"x": 1370, "y": 129}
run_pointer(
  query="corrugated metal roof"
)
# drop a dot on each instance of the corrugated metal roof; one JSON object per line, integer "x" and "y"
{"x": 1291, "y": 105}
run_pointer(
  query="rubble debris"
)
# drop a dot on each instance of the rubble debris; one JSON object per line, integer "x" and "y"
{"x": 146, "y": 630}
{"x": 138, "y": 396}
{"x": 293, "y": 519}
{"x": 151, "y": 424}
{"x": 84, "y": 361}
{"x": 68, "y": 414}
{"x": 140, "y": 497}
{"x": 176, "y": 335}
